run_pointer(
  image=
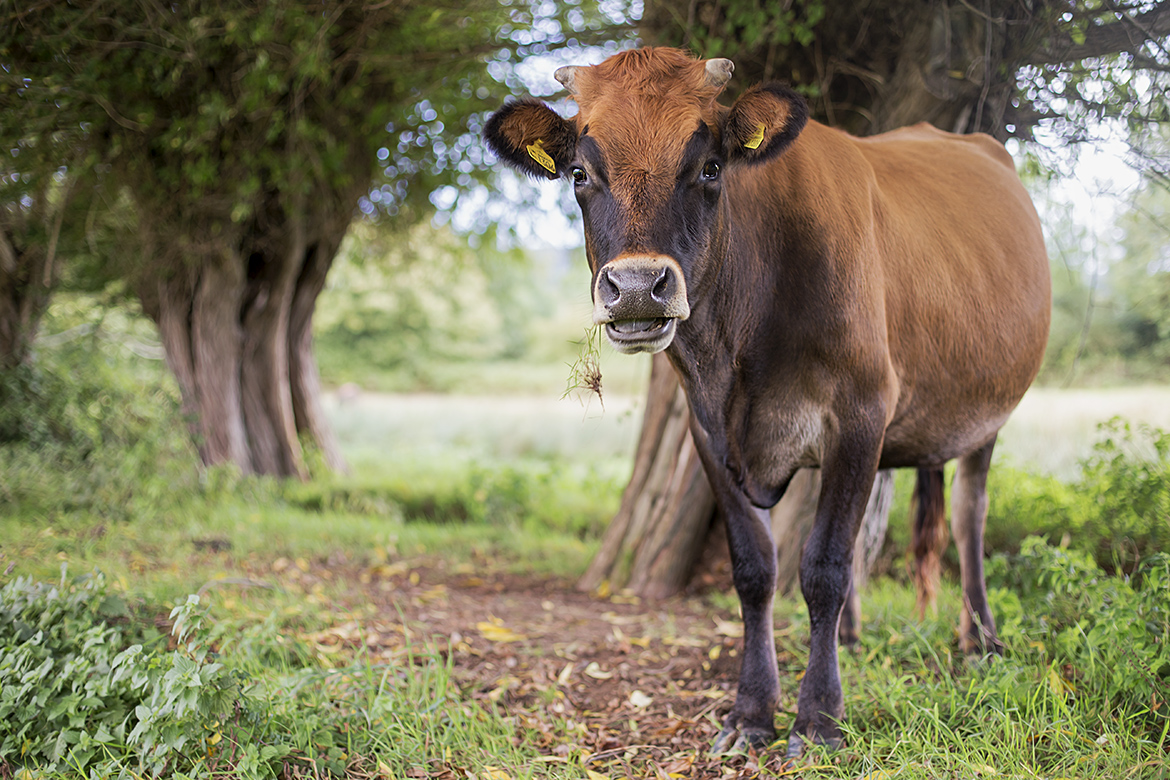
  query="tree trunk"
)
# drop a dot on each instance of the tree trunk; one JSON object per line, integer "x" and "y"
{"x": 304, "y": 380}
{"x": 236, "y": 326}
{"x": 168, "y": 302}
{"x": 265, "y": 387}
{"x": 24, "y": 296}
{"x": 667, "y": 519}
{"x": 217, "y": 350}
{"x": 667, "y": 508}
{"x": 27, "y": 271}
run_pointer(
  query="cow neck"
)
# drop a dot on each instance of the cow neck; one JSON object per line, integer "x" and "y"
{"x": 734, "y": 318}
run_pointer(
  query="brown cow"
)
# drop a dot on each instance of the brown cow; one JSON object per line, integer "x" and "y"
{"x": 830, "y": 301}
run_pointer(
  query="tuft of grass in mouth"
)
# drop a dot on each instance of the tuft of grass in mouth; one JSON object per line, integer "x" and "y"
{"x": 585, "y": 371}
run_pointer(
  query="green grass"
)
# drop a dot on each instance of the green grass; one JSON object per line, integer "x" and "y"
{"x": 1083, "y": 690}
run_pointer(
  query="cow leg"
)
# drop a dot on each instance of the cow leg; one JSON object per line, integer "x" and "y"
{"x": 824, "y": 580}
{"x": 866, "y": 548}
{"x": 968, "y": 515}
{"x": 751, "y": 721}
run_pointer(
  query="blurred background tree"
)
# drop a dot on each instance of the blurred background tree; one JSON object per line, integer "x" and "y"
{"x": 238, "y": 140}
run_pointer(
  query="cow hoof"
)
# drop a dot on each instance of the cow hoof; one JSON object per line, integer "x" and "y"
{"x": 738, "y": 740}
{"x": 798, "y": 742}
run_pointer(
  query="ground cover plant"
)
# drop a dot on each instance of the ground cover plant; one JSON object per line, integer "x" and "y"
{"x": 419, "y": 620}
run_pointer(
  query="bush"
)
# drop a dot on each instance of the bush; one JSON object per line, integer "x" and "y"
{"x": 88, "y": 428}
{"x": 86, "y": 691}
{"x": 1104, "y": 636}
{"x": 1118, "y": 511}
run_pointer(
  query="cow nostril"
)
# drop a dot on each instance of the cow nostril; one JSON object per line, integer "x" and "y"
{"x": 661, "y": 290}
{"x": 608, "y": 291}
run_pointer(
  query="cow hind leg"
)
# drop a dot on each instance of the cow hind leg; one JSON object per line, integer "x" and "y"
{"x": 930, "y": 535}
{"x": 968, "y": 515}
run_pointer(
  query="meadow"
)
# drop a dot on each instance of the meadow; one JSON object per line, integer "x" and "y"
{"x": 417, "y": 617}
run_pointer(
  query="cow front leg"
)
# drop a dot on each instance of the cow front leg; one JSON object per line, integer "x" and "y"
{"x": 847, "y": 478}
{"x": 751, "y": 722}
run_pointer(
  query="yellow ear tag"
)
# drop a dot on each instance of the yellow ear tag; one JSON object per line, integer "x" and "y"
{"x": 755, "y": 141}
{"x": 536, "y": 152}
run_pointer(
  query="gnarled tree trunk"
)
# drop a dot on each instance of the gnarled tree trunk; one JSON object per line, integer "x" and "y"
{"x": 667, "y": 520}
{"x": 24, "y": 296}
{"x": 236, "y": 326}
{"x": 29, "y": 235}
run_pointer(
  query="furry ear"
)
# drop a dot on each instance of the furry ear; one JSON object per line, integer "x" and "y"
{"x": 762, "y": 123}
{"x": 530, "y": 136}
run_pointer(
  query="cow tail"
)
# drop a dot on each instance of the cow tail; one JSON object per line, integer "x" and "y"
{"x": 930, "y": 534}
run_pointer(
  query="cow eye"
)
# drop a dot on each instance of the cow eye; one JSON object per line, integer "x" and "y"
{"x": 578, "y": 174}
{"x": 711, "y": 171}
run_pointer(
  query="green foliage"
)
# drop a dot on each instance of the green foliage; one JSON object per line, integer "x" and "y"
{"x": 1106, "y": 637}
{"x": 1117, "y": 512}
{"x": 756, "y": 25}
{"x": 90, "y": 427}
{"x": 399, "y": 302}
{"x": 1111, "y": 287}
{"x": 1127, "y": 485}
{"x": 536, "y": 496}
{"x": 84, "y": 693}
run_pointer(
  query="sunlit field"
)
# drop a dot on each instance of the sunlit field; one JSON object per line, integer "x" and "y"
{"x": 1050, "y": 431}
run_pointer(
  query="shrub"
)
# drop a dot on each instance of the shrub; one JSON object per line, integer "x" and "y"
{"x": 1118, "y": 511}
{"x": 1104, "y": 636}
{"x": 86, "y": 428}
{"x": 1127, "y": 486}
{"x": 86, "y": 691}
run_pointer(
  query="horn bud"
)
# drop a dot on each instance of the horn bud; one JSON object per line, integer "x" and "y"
{"x": 719, "y": 71}
{"x": 568, "y": 77}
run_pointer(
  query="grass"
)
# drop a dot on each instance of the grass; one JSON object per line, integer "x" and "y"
{"x": 512, "y": 488}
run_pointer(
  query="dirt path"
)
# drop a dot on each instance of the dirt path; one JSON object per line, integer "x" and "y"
{"x": 616, "y": 683}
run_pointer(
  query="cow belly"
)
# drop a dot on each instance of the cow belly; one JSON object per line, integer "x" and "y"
{"x": 930, "y": 438}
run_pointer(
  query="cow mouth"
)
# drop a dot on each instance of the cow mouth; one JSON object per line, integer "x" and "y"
{"x": 641, "y": 335}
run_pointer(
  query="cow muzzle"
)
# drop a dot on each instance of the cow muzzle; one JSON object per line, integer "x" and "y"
{"x": 640, "y": 299}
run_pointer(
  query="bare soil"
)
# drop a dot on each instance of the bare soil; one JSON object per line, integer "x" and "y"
{"x": 623, "y": 686}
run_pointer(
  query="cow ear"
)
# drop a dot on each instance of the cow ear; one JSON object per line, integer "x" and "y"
{"x": 762, "y": 123}
{"x": 530, "y": 136}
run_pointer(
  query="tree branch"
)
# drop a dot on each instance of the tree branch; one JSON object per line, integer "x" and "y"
{"x": 1127, "y": 34}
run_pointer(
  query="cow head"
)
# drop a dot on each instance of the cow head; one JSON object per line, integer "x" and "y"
{"x": 647, "y": 156}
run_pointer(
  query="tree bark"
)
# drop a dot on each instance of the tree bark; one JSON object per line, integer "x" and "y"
{"x": 24, "y": 296}
{"x": 266, "y": 394}
{"x": 236, "y": 325}
{"x": 667, "y": 508}
{"x": 168, "y": 302}
{"x": 27, "y": 267}
{"x": 305, "y": 382}
{"x": 667, "y": 519}
{"x": 217, "y": 350}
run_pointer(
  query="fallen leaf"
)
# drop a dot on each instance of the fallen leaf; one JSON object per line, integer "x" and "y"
{"x": 733, "y": 629}
{"x": 640, "y": 700}
{"x": 496, "y": 631}
{"x": 594, "y": 670}
{"x": 494, "y": 773}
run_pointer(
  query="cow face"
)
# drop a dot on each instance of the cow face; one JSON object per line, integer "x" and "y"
{"x": 647, "y": 156}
